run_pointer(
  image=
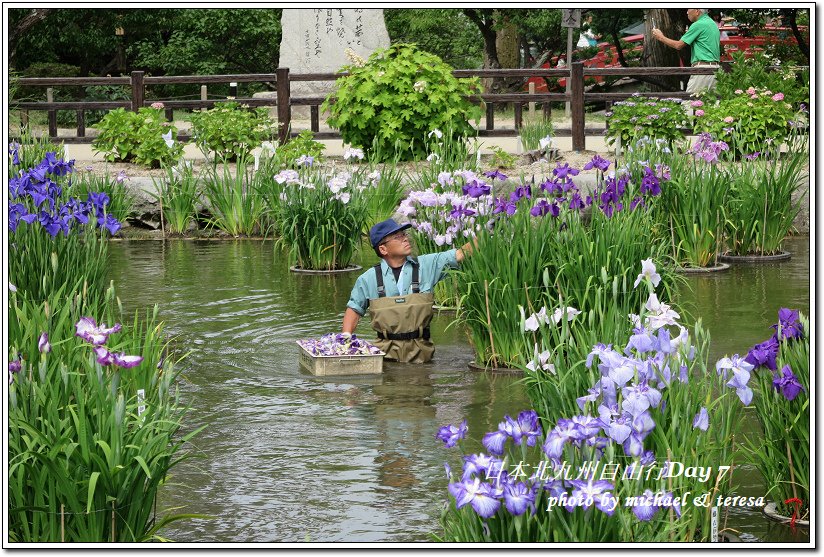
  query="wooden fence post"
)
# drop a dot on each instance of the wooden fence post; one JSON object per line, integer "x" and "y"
{"x": 577, "y": 102}
{"x": 284, "y": 105}
{"x": 137, "y": 90}
{"x": 52, "y": 113}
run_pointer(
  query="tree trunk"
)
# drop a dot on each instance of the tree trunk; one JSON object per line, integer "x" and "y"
{"x": 31, "y": 19}
{"x": 486, "y": 25}
{"x": 672, "y": 22}
{"x": 792, "y": 18}
{"x": 507, "y": 46}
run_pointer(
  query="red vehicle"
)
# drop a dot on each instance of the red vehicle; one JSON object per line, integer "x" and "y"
{"x": 738, "y": 39}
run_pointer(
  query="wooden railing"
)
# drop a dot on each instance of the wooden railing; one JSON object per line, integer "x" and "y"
{"x": 282, "y": 79}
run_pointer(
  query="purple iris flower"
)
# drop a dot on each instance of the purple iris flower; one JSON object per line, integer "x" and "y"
{"x": 543, "y": 207}
{"x": 647, "y": 458}
{"x": 564, "y": 171}
{"x": 764, "y": 354}
{"x": 642, "y": 342}
{"x": 99, "y": 200}
{"x": 637, "y": 398}
{"x": 741, "y": 375}
{"x": 105, "y": 358}
{"x": 476, "y": 189}
{"x": 518, "y": 497}
{"x": 503, "y": 206}
{"x": 588, "y": 426}
{"x": 87, "y": 329}
{"x": 111, "y": 224}
{"x": 650, "y": 183}
{"x": 597, "y": 162}
{"x": 552, "y": 186}
{"x": 480, "y": 495}
{"x": 460, "y": 211}
{"x": 638, "y": 201}
{"x": 594, "y": 393}
{"x": 787, "y": 383}
{"x": 15, "y": 365}
{"x": 494, "y": 441}
{"x": 496, "y": 174}
{"x": 450, "y": 434}
{"x": 788, "y": 324}
{"x": 575, "y": 202}
{"x": 555, "y": 488}
{"x": 643, "y": 424}
{"x": 49, "y": 224}
{"x": 525, "y": 427}
{"x": 701, "y": 420}
{"x": 520, "y": 192}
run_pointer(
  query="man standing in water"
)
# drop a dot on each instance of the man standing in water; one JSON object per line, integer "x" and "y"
{"x": 398, "y": 293}
{"x": 704, "y": 38}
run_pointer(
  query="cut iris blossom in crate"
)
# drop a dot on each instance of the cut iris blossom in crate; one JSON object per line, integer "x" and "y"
{"x": 339, "y": 344}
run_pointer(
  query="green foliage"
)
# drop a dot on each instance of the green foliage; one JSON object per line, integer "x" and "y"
{"x": 761, "y": 207}
{"x": 692, "y": 207}
{"x": 229, "y": 130}
{"x": 533, "y": 131}
{"x": 303, "y": 144}
{"x": 751, "y": 121}
{"x": 121, "y": 199}
{"x": 756, "y": 71}
{"x": 397, "y": 97}
{"x": 236, "y": 207}
{"x": 319, "y": 217}
{"x": 446, "y": 33}
{"x": 32, "y": 150}
{"x": 178, "y": 195}
{"x": 85, "y": 461}
{"x": 639, "y": 117}
{"x": 137, "y": 137}
{"x": 782, "y": 454}
{"x": 501, "y": 158}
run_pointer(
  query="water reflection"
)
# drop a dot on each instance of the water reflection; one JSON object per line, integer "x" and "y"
{"x": 288, "y": 456}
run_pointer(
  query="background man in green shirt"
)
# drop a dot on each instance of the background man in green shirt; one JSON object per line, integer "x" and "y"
{"x": 704, "y": 38}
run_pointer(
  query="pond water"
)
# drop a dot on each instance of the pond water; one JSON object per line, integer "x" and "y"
{"x": 290, "y": 457}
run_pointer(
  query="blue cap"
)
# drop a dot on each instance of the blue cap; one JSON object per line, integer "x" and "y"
{"x": 384, "y": 229}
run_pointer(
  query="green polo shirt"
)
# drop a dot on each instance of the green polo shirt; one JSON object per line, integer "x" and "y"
{"x": 704, "y": 39}
{"x": 430, "y": 271}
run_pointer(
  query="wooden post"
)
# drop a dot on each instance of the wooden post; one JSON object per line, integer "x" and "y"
{"x": 284, "y": 105}
{"x": 519, "y": 115}
{"x": 577, "y": 106}
{"x": 314, "y": 114}
{"x": 204, "y": 95}
{"x": 52, "y": 113}
{"x": 233, "y": 89}
{"x": 532, "y": 104}
{"x": 81, "y": 123}
{"x": 170, "y": 114}
{"x": 24, "y": 118}
{"x": 490, "y": 115}
{"x": 137, "y": 90}
{"x": 547, "y": 109}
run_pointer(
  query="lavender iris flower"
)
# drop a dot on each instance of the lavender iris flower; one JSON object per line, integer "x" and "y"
{"x": 619, "y": 429}
{"x": 479, "y": 495}
{"x": 565, "y": 430}
{"x": 450, "y": 434}
{"x": 701, "y": 420}
{"x": 787, "y": 383}
{"x": 564, "y": 171}
{"x": 596, "y": 491}
{"x": 741, "y": 375}
{"x": 647, "y": 458}
{"x": 764, "y": 354}
{"x": 43, "y": 343}
{"x": 523, "y": 191}
{"x": 87, "y": 329}
{"x": 575, "y": 202}
{"x": 634, "y": 444}
{"x": 518, "y": 497}
{"x": 494, "y": 441}
{"x": 525, "y": 427}
{"x": 502, "y": 205}
{"x": 477, "y": 464}
{"x": 644, "y": 509}
{"x": 588, "y": 426}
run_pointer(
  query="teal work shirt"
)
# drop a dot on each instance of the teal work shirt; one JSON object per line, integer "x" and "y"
{"x": 704, "y": 39}
{"x": 431, "y": 270}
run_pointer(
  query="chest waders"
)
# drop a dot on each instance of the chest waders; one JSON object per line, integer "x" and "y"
{"x": 402, "y": 322}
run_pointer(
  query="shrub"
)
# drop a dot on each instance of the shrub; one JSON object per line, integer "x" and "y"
{"x": 398, "y": 96}
{"x": 752, "y": 120}
{"x": 142, "y": 137}
{"x": 758, "y": 71}
{"x": 230, "y": 130}
{"x": 302, "y": 145}
{"x": 639, "y": 117}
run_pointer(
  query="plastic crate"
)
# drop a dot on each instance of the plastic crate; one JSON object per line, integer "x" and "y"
{"x": 341, "y": 365}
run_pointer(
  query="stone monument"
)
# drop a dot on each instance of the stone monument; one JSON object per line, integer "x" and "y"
{"x": 315, "y": 40}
